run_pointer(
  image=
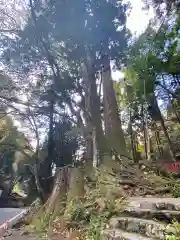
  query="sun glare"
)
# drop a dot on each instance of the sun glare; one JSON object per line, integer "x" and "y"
{"x": 138, "y": 19}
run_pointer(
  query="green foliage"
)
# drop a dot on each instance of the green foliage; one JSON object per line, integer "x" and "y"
{"x": 89, "y": 215}
{"x": 14, "y": 148}
{"x": 176, "y": 191}
{"x": 172, "y": 231}
{"x": 162, "y": 6}
{"x": 92, "y": 213}
{"x": 170, "y": 237}
{"x": 96, "y": 225}
{"x": 40, "y": 224}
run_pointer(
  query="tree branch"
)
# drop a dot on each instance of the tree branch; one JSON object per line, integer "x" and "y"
{"x": 17, "y": 148}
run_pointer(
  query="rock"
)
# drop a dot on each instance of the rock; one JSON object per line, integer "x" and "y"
{"x": 149, "y": 228}
{"x": 166, "y": 206}
{"x": 24, "y": 233}
{"x": 7, "y": 233}
{"x": 150, "y": 214}
{"x": 121, "y": 235}
{"x": 115, "y": 223}
{"x": 177, "y": 207}
{"x": 136, "y": 222}
{"x": 156, "y": 203}
{"x": 126, "y": 187}
{"x": 148, "y": 205}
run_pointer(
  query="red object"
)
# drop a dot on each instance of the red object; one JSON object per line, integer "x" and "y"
{"x": 4, "y": 225}
{"x": 172, "y": 167}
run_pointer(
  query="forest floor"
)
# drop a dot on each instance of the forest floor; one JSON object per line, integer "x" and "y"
{"x": 137, "y": 188}
{"x": 138, "y": 203}
{"x": 17, "y": 235}
{"x": 20, "y": 234}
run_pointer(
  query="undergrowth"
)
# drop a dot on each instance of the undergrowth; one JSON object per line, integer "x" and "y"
{"x": 176, "y": 189}
{"x": 87, "y": 216}
{"x": 173, "y": 231}
{"x": 174, "y": 183}
{"x": 171, "y": 181}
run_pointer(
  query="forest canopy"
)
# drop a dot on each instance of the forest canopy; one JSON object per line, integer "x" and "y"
{"x": 58, "y": 61}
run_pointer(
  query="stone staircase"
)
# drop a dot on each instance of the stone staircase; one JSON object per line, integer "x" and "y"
{"x": 144, "y": 219}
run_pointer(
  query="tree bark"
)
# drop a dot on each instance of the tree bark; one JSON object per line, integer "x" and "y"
{"x": 76, "y": 185}
{"x": 144, "y": 131}
{"x": 50, "y": 140}
{"x": 94, "y": 104}
{"x": 137, "y": 154}
{"x": 149, "y": 146}
{"x": 59, "y": 192}
{"x": 47, "y": 165}
{"x": 95, "y": 152}
{"x": 171, "y": 148}
{"x": 113, "y": 128}
{"x": 158, "y": 140}
{"x": 132, "y": 137}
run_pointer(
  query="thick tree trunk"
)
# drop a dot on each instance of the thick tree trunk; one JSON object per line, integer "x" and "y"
{"x": 96, "y": 118}
{"x": 113, "y": 128}
{"x": 87, "y": 113}
{"x": 93, "y": 104}
{"x": 59, "y": 192}
{"x": 94, "y": 108}
{"x": 76, "y": 184}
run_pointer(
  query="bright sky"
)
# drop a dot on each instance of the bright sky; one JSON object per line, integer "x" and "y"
{"x": 136, "y": 22}
{"x": 138, "y": 19}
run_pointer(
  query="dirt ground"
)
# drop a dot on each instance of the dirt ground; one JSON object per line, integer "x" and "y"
{"x": 17, "y": 235}
{"x": 22, "y": 235}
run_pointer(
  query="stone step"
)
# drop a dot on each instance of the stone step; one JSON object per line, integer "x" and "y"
{"x": 164, "y": 215}
{"x": 148, "y": 228}
{"x": 117, "y": 234}
{"x": 172, "y": 204}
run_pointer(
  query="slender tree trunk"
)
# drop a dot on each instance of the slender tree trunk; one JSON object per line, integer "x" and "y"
{"x": 144, "y": 132}
{"x": 176, "y": 114}
{"x": 174, "y": 110}
{"x": 171, "y": 148}
{"x": 112, "y": 121}
{"x": 131, "y": 136}
{"x": 158, "y": 140}
{"x": 149, "y": 146}
{"x": 95, "y": 152}
{"x": 137, "y": 153}
{"x": 49, "y": 159}
{"x": 45, "y": 170}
